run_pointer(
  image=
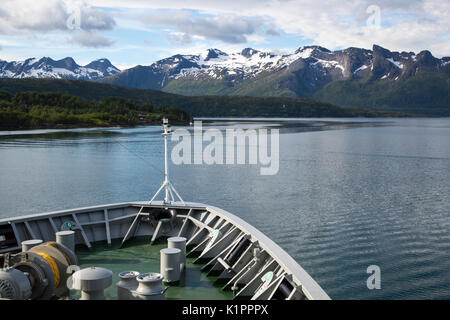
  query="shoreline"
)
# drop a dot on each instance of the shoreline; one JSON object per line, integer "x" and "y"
{"x": 205, "y": 119}
{"x": 225, "y": 118}
{"x": 68, "y": 127}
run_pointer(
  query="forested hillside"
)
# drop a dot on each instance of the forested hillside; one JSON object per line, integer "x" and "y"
{"x": 29, "y": 110}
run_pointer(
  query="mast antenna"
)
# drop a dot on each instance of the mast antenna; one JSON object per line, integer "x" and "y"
{"x": 167, "y": 186}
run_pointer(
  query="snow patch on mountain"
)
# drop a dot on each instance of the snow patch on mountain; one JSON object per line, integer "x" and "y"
{"x": 395, "y": 63}
{"x": 329, "y": 64}
{"x": 217, "y": 64}
{"x": 363, "y": 67}
{"x": 246, "y": 64}
{"x": 302, "y": 53}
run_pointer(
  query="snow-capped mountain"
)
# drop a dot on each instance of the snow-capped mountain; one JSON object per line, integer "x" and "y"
{"x": 217, "y": 64}
{"x": 62, "y": 69}
{"x": 253, "y": 72}
{"x": 356, "y": 77}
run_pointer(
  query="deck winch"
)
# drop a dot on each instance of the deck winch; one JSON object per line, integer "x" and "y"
{"x": 150, "y": 287}
{"x": 127, "y": 283}
{"x": 38, "y": 273}
{"x": 135, "y": 286}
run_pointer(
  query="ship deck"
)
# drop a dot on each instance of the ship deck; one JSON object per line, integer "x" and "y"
{"x": 139, "y": 255}
{"x": 223, "y": 251}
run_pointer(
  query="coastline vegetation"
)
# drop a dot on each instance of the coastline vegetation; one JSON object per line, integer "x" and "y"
{"x": 35, "y": 110}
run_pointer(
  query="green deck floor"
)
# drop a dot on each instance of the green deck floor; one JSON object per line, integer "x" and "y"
{"x": 139, "y": 255}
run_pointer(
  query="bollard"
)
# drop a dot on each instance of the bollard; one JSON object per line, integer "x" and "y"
{"x": 170, "y": 264}
{"x": 28, "y": 244}
{"x": 179, "y": 243}
{"x": 66, "y": 238}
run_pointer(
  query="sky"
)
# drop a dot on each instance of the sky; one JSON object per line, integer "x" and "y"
{"x": 140, "y": 32}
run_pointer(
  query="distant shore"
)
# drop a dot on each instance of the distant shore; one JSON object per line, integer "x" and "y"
{"x": 81, "y": 126}
{"x": 185, "y": 123}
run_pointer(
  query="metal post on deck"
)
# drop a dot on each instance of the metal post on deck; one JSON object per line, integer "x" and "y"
{"x": 167, "y": 185}
{"x": 166, "y": 169}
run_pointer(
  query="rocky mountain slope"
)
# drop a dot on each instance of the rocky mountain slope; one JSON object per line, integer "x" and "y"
{"x": 299, "y": 74}
{"x": 377, "y": 78}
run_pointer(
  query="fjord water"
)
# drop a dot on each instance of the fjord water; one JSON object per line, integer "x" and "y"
{"x": 349, "y": 192}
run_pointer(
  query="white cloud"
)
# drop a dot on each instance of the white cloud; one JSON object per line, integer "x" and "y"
{"x": 406, "y": 25}
{"x": 228, "y": 28}
{"x": 179, "y": 38}
{"x": 91, "y": 40}
{"x": 40, "y": 16}
{"x": 39, "y": 27}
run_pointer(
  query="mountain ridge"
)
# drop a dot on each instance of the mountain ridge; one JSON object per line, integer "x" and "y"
{"x": 320, "y": 64}
{"x": 377, "y": 79}
{"x": 339, "y": 77}
{"x": 66, "y": 68}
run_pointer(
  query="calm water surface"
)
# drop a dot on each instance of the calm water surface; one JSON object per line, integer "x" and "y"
{"x": 349, "y": 193}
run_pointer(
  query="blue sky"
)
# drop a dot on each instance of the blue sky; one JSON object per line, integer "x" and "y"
{"x": 131, "y": 32}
